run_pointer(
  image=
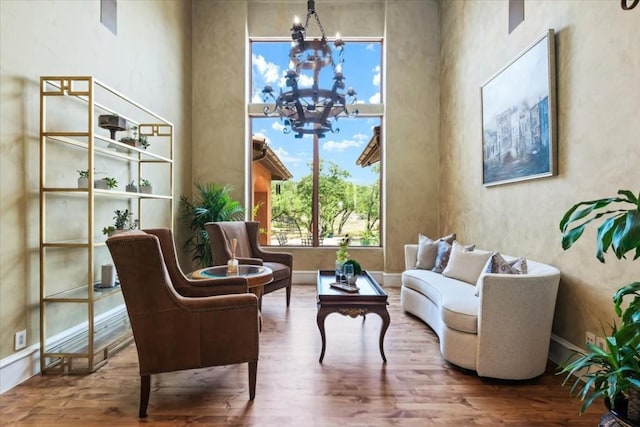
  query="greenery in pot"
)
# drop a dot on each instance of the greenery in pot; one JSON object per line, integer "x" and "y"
{"x": 612, "y": 373}
{"x": 357, "y": 269}
{"x": 145, "y": 186}
{"x": 123, "y": 220}
{"x": 212, "y": 203}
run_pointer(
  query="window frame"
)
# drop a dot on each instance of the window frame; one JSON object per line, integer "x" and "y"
{"x": 366, "y": 110}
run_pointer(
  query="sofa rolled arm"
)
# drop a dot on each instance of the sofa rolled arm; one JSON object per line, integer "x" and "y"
{"x": 410, "y": 256}
{"x": 514, "y": 323}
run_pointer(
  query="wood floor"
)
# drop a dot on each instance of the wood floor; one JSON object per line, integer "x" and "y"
{"x": 352, "y": 387}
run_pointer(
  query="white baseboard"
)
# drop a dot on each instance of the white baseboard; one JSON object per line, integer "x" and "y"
{"x": 24, "y": 364}
{"x": 561, "y": 349}
{"x": 384, "y": 279}
{"x": 19, "y": 367}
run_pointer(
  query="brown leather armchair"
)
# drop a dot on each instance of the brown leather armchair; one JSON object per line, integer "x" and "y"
{"x": 189, "y": 287}
{"x": 173, "y": 332}
{"x": 249, "y": 251}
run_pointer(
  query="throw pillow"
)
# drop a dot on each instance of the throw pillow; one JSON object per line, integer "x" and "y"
{"x": 501, "y": 266}
{"x": 427, "y": 251}
{"x": 465, "y": 264}
{"x": 442, "y": 257}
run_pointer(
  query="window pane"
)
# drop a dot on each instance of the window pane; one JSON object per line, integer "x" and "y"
{"x": 361, "y": 67}
{"x": 348, "y": 192}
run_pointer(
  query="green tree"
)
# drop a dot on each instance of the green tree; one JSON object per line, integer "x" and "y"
{"x": 369, "y": 202}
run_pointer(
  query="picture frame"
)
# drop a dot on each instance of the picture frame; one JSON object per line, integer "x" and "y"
{"x": 519, "y": 117}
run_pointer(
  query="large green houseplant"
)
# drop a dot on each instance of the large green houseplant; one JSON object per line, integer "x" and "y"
{"x": 211, "y": 203}
{"x": 612, "y": 373}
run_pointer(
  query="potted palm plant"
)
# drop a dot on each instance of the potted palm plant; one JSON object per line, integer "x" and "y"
{"x": 613, "y": 372}
{"x": 211, "y": 203}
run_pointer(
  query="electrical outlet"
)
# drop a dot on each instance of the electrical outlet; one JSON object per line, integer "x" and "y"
{"x": 601, "y": 342}
{"x": 20, "y": 340}
{"x": 590, "y": 338}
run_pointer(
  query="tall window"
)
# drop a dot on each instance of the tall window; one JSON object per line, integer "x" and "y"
{"x": 347, "y": 190}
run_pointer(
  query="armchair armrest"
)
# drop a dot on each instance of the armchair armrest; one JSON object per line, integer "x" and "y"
{"x": 249, "y": 261}
{"x": 279, "y": 257}
{"x": 211, "y": 287}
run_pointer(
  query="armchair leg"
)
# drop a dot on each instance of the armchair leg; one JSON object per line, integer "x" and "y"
{"x": 288, "y": 294}
{"x": 253, "y": 370}
{"x": 145, "y": 389}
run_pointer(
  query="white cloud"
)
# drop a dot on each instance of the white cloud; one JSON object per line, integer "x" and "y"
{"x": 257, "y": 98}
{"x": 277, "y": 126}
{"x": 361, "y": 137}
{"x": 305, "y": 81}
{"x": 370, "y": 46}
{"x": 340, "y": 146}
{"x": 269, "y": 71}
{"x": 376, "y": 75}
{"x": 285, "y": 157}
{"x": 375, "y": 99}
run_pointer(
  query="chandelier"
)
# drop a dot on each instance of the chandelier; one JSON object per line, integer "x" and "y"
{"x": 313, "y": 110}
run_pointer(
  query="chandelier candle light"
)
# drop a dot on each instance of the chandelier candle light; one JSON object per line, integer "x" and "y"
{"x": 311, "y": 110}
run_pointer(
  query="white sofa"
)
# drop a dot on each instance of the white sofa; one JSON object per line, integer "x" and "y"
{"x": 503, "y": 332}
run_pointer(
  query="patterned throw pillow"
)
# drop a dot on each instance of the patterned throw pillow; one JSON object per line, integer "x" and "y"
{"x": 428, "y": 250}
{"x": 442, "y": 258}
{"x": 499, "y": 265}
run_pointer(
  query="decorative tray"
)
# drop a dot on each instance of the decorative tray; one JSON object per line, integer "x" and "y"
{"x": 345, "y": 287}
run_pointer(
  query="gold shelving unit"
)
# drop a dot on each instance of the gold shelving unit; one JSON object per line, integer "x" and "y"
{"x": 81, "y": 325}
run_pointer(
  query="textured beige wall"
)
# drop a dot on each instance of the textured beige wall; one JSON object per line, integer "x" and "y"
{"x": 411, "y": 126}
{"x": 410, "y": 28}
{"x": 598, "y": 64}
{"x": 149, "y": 60}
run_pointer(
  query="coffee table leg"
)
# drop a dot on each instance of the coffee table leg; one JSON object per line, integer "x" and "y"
{"x": 322, "y": 314}
{"x": 384, "y": 314}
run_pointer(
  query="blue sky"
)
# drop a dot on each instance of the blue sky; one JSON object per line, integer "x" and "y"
{"x": 361, "y": 67}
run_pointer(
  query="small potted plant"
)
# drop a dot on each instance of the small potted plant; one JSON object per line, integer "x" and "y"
{"x": 83, "y": 178}
{"x": 131, "y": 188}
{"x": 135, "y": 140}
{"x": 146, "y": 187}
{"x": 612, "y": 373}
{"x": 107, "y": 183}
{"x": 123, "y": 221}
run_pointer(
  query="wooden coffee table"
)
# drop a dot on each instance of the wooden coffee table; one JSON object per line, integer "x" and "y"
{"x": 370, "y": 299}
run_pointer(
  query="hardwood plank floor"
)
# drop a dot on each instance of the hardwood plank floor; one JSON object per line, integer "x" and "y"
{"x": 352, "y": 387}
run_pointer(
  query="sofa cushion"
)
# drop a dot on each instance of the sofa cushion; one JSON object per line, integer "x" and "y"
{"x": 456, "y": 300}
{"x": 466, "y": 265}
{"x": 498, "y": 264}
{"x": 442, "y": 258}
{"x": 428, "y": 250}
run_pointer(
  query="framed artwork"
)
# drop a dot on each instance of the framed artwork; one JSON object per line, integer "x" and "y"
{"x": 519, "y": 117}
